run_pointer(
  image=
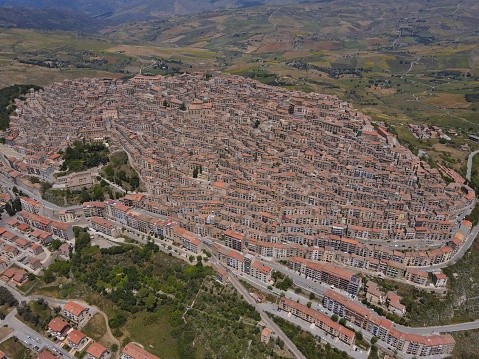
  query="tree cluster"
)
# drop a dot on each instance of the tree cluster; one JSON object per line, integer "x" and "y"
{"x": 83, "y": 156}
{"x": 7, "y": 95}
{"x": 6, "y": 297}
{"x": 12, "y": 207}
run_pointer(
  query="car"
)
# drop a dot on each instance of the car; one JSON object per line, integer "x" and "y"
{"x": 36, "y": 347}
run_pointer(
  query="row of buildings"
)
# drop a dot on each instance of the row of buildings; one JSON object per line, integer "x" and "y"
{"x": 330, "y": 250}
{"x": 384, "y": 329}
{"x": 411, "y": 344}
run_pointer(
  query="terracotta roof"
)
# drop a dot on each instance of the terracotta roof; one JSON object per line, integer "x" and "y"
{"x": 57, "y": 324}
{"x": 137, "y": 352}
{"x": 96, "y": 350}
{"x": 75, "y": 336}
{"x": 74, "y": 308}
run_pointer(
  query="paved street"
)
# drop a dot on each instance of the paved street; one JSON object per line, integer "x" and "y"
{"x": 273, "y": 308}
{"x": 31, "y": 338}
{"x": 37, "y": 198}
{"x": 460, "y": 253}
{"x": 469, "y": 164}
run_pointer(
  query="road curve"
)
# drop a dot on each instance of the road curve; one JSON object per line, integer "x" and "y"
{"x": 439, "y": 328}
{"x": 469, "y": 164}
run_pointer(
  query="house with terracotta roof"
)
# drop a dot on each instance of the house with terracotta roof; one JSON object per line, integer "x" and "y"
{"x": 76, "y": 339}
{"x": 35, "y": 263}
{"x": 15, "y": 276}
{"x": 41, "y": 236}
{"x": 62, "y": 230}
{"x": 416, "y": 276}
{"x": 75, "y": 312}
{"x": 45, "y": 354}
{"x": 133, "y": 351}
{"x": 97, "y": 351}
{"x": 35, "y": 249}
{"x": 104, "y": 226}
{"x": 58, "y": 327}
{"x": 439, "y": 279}
{"x": 322, "y": 321}
{"x": 3, "y": 265}
{"x": 221, "y": 274}
{"x": 266, "y": 335}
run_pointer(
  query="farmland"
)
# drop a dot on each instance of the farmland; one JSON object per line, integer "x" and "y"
{"x": 411, "y": 62}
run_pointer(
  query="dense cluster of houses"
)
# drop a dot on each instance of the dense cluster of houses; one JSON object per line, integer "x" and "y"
{"x": 228, "y": 153}
{"x": 413, "y": 344}
{"x": 382, "y": 328}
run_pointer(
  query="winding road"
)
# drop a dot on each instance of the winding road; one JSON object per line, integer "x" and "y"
{"x": 469, "y": 164}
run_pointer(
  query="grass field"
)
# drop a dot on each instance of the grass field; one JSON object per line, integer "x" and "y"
{"x": 96, "y": 329}
{"x": 14, "y": 349}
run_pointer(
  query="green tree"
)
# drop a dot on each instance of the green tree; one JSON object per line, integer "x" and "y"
{"x": 82, "y": 242}
{"x": 312, "y": 296}
{"x": 134, "y": 181}
{"x": 334, "y": 317}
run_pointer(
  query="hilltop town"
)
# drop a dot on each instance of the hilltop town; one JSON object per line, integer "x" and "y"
{"x": 248, "y": 171}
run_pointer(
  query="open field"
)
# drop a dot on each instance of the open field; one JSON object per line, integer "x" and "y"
{"x": 14, "y": 349}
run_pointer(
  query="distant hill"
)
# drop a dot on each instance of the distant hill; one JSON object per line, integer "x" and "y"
{"x": 47, "y": 19}
{"x": 122, "y": 11}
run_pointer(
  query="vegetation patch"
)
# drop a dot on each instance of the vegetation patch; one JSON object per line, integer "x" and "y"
{"x": 7, "y": 107}
{"x": 308, "y": 344}
{"x": 14, "y": 349}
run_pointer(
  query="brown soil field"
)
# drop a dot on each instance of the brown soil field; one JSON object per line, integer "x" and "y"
{"x": 273, "y": 47}
{"x": 447, "y": 100}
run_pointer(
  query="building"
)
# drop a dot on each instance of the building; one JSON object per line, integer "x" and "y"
{"x": 76, "y": 339}
{"x": 265, "y": 335}
{"x": 320, "y": 320}
{"x": 321, "y": 272}
{"x": 417, "y": 276}
{"x": 75, "y": 312}
{"x": 104, "y": 226}
{"x": 58, "y": 327}
{"x": 133, "y": 351}
{"x": 419, "y": 345}
{"x": 234, "y": 240}
{"x": 45, "y": 354}
{"x": 221, "y": 275}
{"x": 97, "y": 351}
{"x": 439, "y": 279}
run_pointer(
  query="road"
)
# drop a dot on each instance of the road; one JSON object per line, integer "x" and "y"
{"x": 459, "y": 254}
{"x": 469, "y": 164}
{"x": 267, "y": 320}
{"x": 22, "y": 331}
{"x": 37, "y": 198}
{"x": 440, "y": 328}
{"x": 306, "y": 326}
{"x": 31, "y": 338}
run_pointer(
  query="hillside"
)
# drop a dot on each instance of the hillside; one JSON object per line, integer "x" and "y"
{"x": 47, "y": 19}
{"x": 122, "y": 11}
{"x": 410, "y": 62}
